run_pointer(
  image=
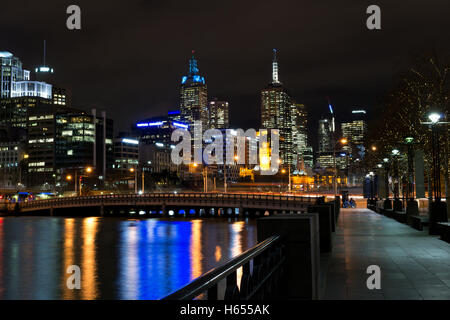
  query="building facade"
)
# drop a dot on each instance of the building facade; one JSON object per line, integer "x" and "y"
{"x": 276, "y": 112}
{"x": 194, "y": 96}
{"x": 218, "y": 114}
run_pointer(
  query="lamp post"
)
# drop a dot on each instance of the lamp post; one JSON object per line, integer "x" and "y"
{"x": 437, "y": 209}
{"x": 133, "y": 170}
{"x": 398, "y": 206}
{"x": 342, "y": 141}
{"x": 395, "y": 154}
{"x": 78, "y": 179}
{"x": 372, "y": 188}
{"x": 410, "y": 191}
{"x": 386, "y": 176}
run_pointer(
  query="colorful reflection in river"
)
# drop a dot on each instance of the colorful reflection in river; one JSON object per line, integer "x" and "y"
{"x": 118, "y": 258}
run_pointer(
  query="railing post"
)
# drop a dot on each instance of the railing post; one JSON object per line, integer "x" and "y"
{"x": 301, "y": 236}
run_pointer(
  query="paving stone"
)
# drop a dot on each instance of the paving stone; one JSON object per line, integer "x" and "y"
{"x": 413, "y": 265}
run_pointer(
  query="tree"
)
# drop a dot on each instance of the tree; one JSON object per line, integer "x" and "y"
{"x": 423, "y": 88}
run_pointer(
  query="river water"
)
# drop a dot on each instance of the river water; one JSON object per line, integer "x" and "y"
{"x": 118, "y": 258}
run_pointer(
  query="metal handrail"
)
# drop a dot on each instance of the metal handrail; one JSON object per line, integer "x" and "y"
{"x": 212, "y": 277}
{"x": 238, "y": 196}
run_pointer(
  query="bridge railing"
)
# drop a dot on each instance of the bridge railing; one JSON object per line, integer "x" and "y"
{"x": 220, "y": 197}
{"x": 263, "y": 268}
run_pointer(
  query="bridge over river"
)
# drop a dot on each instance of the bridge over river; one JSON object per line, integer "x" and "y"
{"x": 170, "y": 204}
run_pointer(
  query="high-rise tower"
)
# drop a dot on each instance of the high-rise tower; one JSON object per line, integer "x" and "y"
{"x": 194, "y": 96}
{"x": 218, "y": 114}
{"x": 276, "y": 112}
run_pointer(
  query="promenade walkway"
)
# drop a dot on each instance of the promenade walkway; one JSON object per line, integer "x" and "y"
{"x": 413, "y": 264}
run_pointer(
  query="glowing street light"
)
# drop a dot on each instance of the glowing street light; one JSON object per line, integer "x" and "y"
{"x": 89, "y": 169}
{"x": 385, "y": 160}
{"x": 68, "y": 177}
{"x": 342, "y": 141}
{"x": 434, "y": 117}
{"x": 395, "y": 152}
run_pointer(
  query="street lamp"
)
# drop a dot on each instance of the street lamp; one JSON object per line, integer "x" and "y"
{"x": 434, "y": 117}
{"x": 342, "y": 141}
{"x": 398, "y": 206}
{"x": 133, "y": 170}
{"x": 410, "y": 149}
{"x": 437, "y": 208}
{"x": 78, "y": 179}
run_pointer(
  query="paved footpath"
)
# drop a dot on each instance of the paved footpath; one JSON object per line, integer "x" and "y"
{"x": 413, "y": 264}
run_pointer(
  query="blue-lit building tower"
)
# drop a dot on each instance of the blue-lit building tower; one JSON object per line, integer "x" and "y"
{"x": 194, "y": 96}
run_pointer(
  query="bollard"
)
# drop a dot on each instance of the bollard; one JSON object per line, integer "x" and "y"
{"x": 332, "y": 204}
{"x": 301, "y": 237}
{"x": 438, "y": 213}
{"x": 325, "y": 222}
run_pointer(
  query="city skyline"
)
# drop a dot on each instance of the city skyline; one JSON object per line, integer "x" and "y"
{"x": 222, "y": 152}
{"x": 234, "y": 74}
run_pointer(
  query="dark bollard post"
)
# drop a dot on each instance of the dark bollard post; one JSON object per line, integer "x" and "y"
{"x": 398, "y": 205}
{"x": 387, "y": 205}
{"x": 325, "y": 223}
{"x": 438, "y": 213}
{"x": 301, "y": 237}
{"x": 337, "y": 207}
{"x": 332, "y": 205}
{"x": 412, "y": 209}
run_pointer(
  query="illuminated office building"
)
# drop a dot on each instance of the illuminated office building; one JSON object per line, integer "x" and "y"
{"x": 355, "y": 133}
{"x": 157, "y": 130}
{"x": 61, "y": 140}
{"x": 59, "y": 96}
{"x": 302, "y": 152}
{"x": 218, "y": 114}
{"x": 174, "y": 115}
{"x": 126, "y": 154}
{"x": 14, "y": 111}
{"x": 11, "y": 71}
{"x": 325, "y": 136}
{"x": 276, "y": 112}
{"x": 13, "y": 157}
{"x": 194, "y": 96}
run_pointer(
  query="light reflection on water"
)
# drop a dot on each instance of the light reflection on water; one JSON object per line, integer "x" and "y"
{"x": 119, "y": 258}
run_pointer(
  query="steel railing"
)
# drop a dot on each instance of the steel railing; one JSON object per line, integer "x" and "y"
{"x": 182, "y": 197}
{"x": 261, "y": 279}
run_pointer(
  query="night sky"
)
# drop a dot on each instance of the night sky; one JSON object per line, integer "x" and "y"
{"x": 129, "y": 56}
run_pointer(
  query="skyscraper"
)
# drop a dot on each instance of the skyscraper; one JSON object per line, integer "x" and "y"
{"x": 355, "y": 132}
{"x": 302, "y": 152}
{"x": 194, "y": 96}
{"x": 218, "y": 114}
{"x": 325, "y": 136}
{"x": 11, "y": 71}
{"x": 276, "y": 112}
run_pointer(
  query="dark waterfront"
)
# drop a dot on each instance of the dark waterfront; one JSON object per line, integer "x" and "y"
{"x": 119, "y": 258}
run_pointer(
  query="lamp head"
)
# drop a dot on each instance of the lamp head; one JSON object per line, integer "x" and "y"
{"x": 434, "y": 117}
{"x": 409, "y": 139}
